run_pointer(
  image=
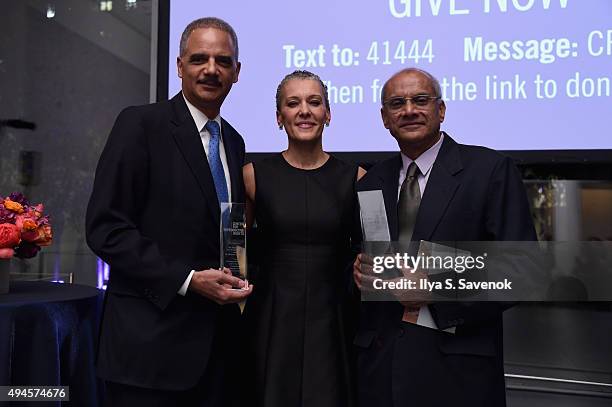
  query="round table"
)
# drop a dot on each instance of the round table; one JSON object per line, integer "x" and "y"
{"x": 48, "y": 336}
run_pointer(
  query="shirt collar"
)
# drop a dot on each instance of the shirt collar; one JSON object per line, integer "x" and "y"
{"x": 424, "y": 161}
{"x": 199, "y": 118}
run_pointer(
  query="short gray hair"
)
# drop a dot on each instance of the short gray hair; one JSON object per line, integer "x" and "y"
{"x": 208, "y": 22}
{"x": 301, "y": 75}
{"x": 435, "y": 84}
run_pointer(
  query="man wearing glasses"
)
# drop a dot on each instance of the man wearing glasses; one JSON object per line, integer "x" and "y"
{"x": 436, "y": 354}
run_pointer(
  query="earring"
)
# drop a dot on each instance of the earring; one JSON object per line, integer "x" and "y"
{"x": 280, "y": 126}
{"x": 326, "y": 124}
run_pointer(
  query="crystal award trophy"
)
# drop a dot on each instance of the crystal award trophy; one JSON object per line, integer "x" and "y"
{"x": 233, "y": 239}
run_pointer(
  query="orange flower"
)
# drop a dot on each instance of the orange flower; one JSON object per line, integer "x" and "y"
{"x": 29, "y": 224}
{"x": 13, "y": 206}
{"x": 25, "y": 222}
{"x": 47, "y": 236}
{"x": 42, "y": 236}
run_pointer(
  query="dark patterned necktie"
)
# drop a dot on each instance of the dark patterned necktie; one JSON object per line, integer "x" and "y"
{"x": 214, "y": 161}
{"x": 409, "y": 201}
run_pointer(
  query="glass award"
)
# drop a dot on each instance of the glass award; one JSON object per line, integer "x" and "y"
{"x": 233, "y": 239}
{"x": 373, "y": 214}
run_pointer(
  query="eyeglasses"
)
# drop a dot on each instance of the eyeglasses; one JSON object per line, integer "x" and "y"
{"x": 398, "y": 102}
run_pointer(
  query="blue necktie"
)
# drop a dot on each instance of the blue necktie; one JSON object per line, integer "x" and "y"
{"x": 214, "y": 160}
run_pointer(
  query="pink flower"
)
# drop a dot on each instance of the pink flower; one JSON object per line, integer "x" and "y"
{"x": 38, "y": 210}
{"x": 6, "y": 253}
{"x": 9, "y": 236}
{"x": 26, "y": 222}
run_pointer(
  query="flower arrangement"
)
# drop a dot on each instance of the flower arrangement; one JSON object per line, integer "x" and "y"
{"x": 23, "y": 227}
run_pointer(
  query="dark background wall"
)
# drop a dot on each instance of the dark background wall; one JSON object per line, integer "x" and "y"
{"x": 61, "y": 74}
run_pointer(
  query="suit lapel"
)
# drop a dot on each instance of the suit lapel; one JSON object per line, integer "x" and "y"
{"x": 234, "y": 165}
{"x": 389, "y": 177}
{"x": 441, "y": 187}
{"x": 188, "y": 140}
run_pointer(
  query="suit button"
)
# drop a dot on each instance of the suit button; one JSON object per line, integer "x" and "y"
{"x": 378, "y": 343}
{"x": 400, "y": 333}
{"x": 460, "y": 321}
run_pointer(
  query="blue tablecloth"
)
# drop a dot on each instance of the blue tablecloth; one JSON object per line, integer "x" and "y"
{"x": 48, "y": 336}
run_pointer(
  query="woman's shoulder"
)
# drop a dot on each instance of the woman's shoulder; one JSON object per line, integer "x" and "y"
{"x": 342, "y": 164}
{"x": 349, "y": 168}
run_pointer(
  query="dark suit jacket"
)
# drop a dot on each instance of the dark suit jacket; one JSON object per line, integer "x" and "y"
{"x": 154, "y": 216}
{"x": 472, "y": 194}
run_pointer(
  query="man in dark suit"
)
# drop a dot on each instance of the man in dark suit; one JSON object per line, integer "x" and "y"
{"x": 436, "y": 190}
{"x": 168, "y": 334}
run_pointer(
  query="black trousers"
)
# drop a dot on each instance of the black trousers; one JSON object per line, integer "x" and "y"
{"x": 220, "y": 385}
{"x": 409, "y": 368}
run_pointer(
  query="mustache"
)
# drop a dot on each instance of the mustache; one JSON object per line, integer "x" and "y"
{"x": 211, "y": 81}
{"x": 413, "y": 118}
{"x": 409, "y": 122}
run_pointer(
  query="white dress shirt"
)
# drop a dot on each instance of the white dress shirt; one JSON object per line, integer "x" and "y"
{"x": 425, "y": 161}
{"x": 200, "y": 120}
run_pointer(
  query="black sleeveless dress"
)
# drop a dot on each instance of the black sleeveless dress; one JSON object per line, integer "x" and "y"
{"x": 297, "y": 315}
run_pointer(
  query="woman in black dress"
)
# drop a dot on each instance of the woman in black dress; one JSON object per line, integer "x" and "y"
{"x": 303, "y": 202}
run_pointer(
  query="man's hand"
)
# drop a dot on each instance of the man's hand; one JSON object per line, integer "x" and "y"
{"x": 416, "y": 297}
{"x": 362, "y": 272}
{"x": 411, "y": 298}
{"x": 218, "y": 286}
